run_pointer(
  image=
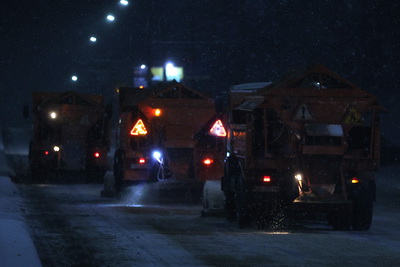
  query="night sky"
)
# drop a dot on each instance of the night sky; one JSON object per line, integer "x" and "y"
{"x": 43, "y": 43}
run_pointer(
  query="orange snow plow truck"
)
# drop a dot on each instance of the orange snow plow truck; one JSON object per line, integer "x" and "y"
{"x": 308, "y": 143}
{"x": 70, "y": 133}
{"x": 167, "y": 132}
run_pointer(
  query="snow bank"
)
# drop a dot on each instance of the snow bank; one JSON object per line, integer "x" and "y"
{"x": 16, "y": 140}
{"x": 14, "y": 151}
{"x": 17, "y": 248}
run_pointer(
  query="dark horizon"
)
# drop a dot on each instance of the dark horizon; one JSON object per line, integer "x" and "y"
{"x": 43, "y": 43}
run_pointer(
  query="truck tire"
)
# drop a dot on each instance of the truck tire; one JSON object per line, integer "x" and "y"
{"x": 37, "y": 174}
{"x": 242, "y": 206}
{"x": 229, "y": 206}
{"x": 153, "y": 173}
{"x": 341, "y": 218}
{"x": 362, "y": 214}
{"x": 118, "y": 172}
{"x": 362, "y": 209}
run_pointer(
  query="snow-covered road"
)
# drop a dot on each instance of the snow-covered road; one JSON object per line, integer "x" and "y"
{"x": 72, "y": 225}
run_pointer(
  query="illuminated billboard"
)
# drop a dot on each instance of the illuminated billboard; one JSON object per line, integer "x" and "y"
{"x": 167, "y": 73}
{"x": 173, "y": 73}
{"x": 157, "y": 74}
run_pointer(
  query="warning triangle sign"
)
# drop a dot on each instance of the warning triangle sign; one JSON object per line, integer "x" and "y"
{"x": 303, "y": 113}
{"x": 352, "y": 116}
{"x": 218, "y": 129}
{"x": 139, "y": 128}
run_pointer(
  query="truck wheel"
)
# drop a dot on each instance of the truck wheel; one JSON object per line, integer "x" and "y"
{"x": 229, "y": 205}
{"x": 341, "y": 218}
{"x": 362, "y": 214}
{"x": 36, "y": 174}
{"x": 242, "y": 207}
{"x": 39, "y": 173}
{"x": 118, "y": 173}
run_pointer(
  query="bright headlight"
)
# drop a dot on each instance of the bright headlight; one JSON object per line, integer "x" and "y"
{"x": 298, "y": 177}
{"x": 56, "y": 148}
{"x": 53, "y": 115}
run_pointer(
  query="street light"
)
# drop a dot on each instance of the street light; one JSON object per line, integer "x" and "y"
{"x": 93, "y": 39}
{"x": 74, "y": 78}
{"x": 124, "y": 2}
{"x": 110, "y": 17}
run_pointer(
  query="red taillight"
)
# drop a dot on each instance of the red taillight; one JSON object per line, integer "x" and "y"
{"x": 207, "y": 161}
{"x": 46, "y": 152}
{"x": 355, "y": 180}
{"x": 142, "y": 161}
{"x": 139, "y": 128}
{"x": 266, "y": 179}
{"x": 96, "y": 154}
{"x": 218, "y": 129}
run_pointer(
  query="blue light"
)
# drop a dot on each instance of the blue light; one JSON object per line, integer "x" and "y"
{"x": 157, "y": 156}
